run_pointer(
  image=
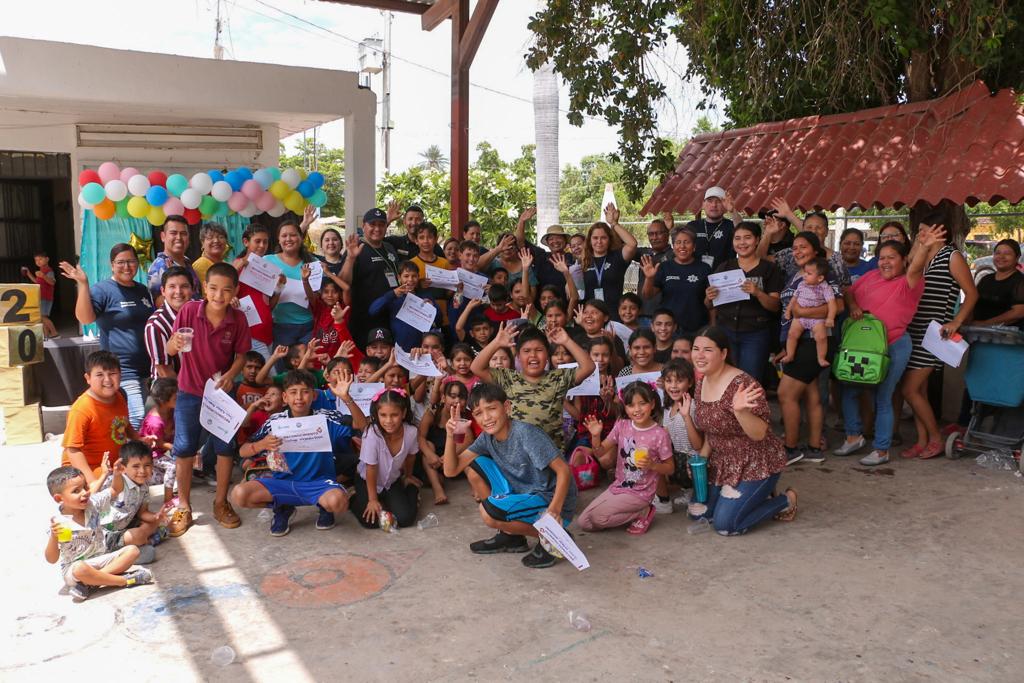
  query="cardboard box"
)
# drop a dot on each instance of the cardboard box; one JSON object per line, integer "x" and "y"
{"x": 18, "y": 386}
{"x": 21, "y": 426}
{"x": 19, "y": 304}
{"x": 21, "y": 345}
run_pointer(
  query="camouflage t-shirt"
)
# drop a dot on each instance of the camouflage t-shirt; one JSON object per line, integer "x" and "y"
{"x": 537, "y": 403}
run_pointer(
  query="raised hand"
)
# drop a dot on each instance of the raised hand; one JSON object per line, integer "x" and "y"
{"x": 783, "y": 208}
{"x": 507, "y": 242}
{"x": 578, "y": 317}
{"x": 280, "y": 351}
{"x": 305, "y": 272}
{"x": 558, "y": 263}
{"x": 346, "y": 349}
{"x": 670, "y": 222}
{"x": 506, "y": 336}
{"x": 558, "y": 336}
{"x": 441, "y": 362}
{"x": 119, "y": 467}
{"x": 342, "y": 385}
{"x": 747, "y": 397}
{"x": 338, "y": 313}
{"x": 685, "y": 403}
{"x": 393, "y": 211}
{"x": 611, "y": 214}
{"x": 648, "y": 265}
{"x": 453, "y": 420}
{"x": 74, "y": 273}
{"x": 594, "y": 426}
{"x": 527, "y": 214}
{"x": 308, "y": 216}
{"x": 526, "y": 257}
{"x": 727, "y": 203}
{"x": 353, "y": 246}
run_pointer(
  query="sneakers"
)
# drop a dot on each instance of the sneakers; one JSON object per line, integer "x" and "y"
{"x": 500, "y": 543}
{"x": 79, "y": 592}
{"x": 640, "y": 525}
{"x": 542, "y": 559}
{"x": 282, "y": 523}
{"x": 793, "y": 455}
{"x": 662, "y": 507}
{"x": 226, "y": 515}
{"x": 683, "y": 499}
{"x": 849, "y": 447}
{"x": 814, "y": 455}
{"x": 181, "y": 520}
{"x": 874, "y": 458}
{"x": 325, "y": 520}
{"x": 138, "y": 576}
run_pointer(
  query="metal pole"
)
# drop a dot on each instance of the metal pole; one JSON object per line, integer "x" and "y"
{"x": 218, "y": 49}
{"x": 385, "y": 123}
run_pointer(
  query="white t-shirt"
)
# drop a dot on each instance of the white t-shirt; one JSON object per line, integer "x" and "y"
{"x": 87, "y": 539}
{"x": 676, "y": 426}
{"x": 374, "y": 451}
{"x": 123, "y": 510}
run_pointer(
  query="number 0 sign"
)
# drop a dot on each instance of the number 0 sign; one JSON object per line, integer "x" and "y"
{"x": 21, "y": 345}
{"x": 19, "y": 304}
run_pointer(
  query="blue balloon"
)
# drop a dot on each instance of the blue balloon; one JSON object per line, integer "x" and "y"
{"x": 306, "y": 189}
{"x": 234, "y": 179}
{"x": 156, "y": 196}
{"x": 264, "y": 177}
{"x": 316, "y": 179}
{"x": 215, "y": 175}
{"x": 244, "y": 172}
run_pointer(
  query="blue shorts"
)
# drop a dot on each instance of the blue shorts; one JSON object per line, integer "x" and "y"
{"x": 505, "y": 506}
{"x": 291, "y": 492}
{"x": 187, "y": 430}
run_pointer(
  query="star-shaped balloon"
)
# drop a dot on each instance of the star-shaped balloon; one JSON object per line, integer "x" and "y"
{"x": 143, "y": 249}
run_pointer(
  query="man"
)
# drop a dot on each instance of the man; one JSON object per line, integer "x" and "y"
{"x": 174, "y": 236}
{"x": 713, "y": 229}
{"x": 371, "y": 269}
{"x": 555, "y": 239}
{"x": 175, "y": 290}
{"x": 405, "y": 245}
{"x": 660, "y": 249}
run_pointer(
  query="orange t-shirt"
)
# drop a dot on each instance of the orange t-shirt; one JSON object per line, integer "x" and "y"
{"x": 95, "y": 427}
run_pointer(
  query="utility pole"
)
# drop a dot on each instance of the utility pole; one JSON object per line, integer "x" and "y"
{"x": 218, "y": 49}
{"x": 385, "y": 117}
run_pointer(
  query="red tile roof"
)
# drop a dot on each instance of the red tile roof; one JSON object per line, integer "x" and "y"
{"x": 966, "y": 147}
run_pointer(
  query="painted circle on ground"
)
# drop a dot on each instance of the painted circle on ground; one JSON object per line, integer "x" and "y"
{"x": 35, "y": 637}
{"x": 326, "y": 581}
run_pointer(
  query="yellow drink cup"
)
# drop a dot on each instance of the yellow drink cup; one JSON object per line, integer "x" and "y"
{"x": 64, "y": 535}
{"x": 641, "y": 456}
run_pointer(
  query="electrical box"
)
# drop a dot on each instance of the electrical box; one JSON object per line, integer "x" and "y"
{"x": 371, "y": 56}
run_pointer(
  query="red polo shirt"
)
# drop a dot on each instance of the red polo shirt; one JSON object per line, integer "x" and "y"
{"x": 213, "y": 348}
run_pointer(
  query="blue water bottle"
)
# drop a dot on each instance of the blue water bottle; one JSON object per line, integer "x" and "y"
{"x": 699, "y": 472}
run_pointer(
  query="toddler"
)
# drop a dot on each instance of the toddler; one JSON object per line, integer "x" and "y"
{"x": 813, "y": 291}
{"x": 159, "y": 423}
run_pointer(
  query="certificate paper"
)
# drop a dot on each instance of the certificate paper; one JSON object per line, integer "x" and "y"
{"x": 621, "y": 331}
{"x": 418, "y": 313}
{"x": 316, "y": 275}
{"x": 443, "y": 278}
{"x": 252, "y": 316}
{"x": 294, "y": 293}
{"x": 554, "y": 534}
{"x": 302, "y": 434}
{"x": 260, "y": 274}
{"x": 948, "y": 351}
{"x": 728, "y": 284}
{"x": 591, "y": 386}
{"x": 362, "y": 394}
{"x": 219, "y": 414}
{"x": 424, "y": 365}
{"x": 472, "y": 284}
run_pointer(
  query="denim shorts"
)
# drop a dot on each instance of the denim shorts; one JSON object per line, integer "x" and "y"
{"x": 188, "y": 431}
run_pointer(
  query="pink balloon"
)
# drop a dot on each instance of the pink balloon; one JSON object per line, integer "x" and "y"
{"x": 266, "y": 202}
{"x": 128, "y": 173}
{"x": 173, "y": 207}
{"x": 108, "y": 171}
{"x": 238, "y": 201}
{"x": 252, "y": 189}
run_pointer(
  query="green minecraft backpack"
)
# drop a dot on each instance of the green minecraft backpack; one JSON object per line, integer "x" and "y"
{"x": 863, "y": 356}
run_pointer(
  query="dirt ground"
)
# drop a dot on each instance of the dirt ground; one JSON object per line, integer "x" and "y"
{"x": 907, "y": 572}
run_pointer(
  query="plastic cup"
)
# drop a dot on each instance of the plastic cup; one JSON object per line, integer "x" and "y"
{"x": 186, "y": 335}
{"x": 64, "y": 535}
{"x": 640, "y": 455}
{"x": 461, "y": 428}
{"x": 699, "y": 471}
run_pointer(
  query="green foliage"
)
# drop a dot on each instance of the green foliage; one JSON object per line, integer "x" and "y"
{"x": 433, "y": 158}
{"x": 582, "y": 188}
{"x": 330, "y": 162}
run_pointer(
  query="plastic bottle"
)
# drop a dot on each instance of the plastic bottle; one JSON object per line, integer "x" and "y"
{"x": 701, "y": 526}
{"x": 223, "y": 655}
{"x": 578, "y": 620}
{"x": 428, "y": 522}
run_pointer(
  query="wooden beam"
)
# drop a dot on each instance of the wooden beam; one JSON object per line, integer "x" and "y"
{"x": 392, "y": 5}
{"x": 475, "y": 31}
{"x": 437, "y": 14}
{"x": 460, "y": 122}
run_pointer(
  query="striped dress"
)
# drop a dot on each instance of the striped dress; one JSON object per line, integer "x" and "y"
{"x": 941, "y": 293}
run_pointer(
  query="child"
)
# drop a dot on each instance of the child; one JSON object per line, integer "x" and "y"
{"x": 481, "y": 329}
{"x": 258, "y": 412}
{"x": 426, "y": 240}
{"x": 310, "y": 478}
{"x": 159, "y": 423}
{"x": 84, "y": 561}
{"x": 522, "y": 476}
{"x": 380, "y": 344}
{"x": 249, "y": 391}
{"x": 678, "y": 380}
{"x": 499, "y": 310}
{"x": 43, "y": 276}
{"x": 407, "y": 336}
{"x": 129, "y": 521}
{"x": 368, "y": 368}
{"x": 559, "y": 356}
{"x": 98, "y": 424}
{"x": 644, "y": 453}
{"x": 386, "y": 458}
{"x": 218, "y": 343}
{"x": 630, "y": 306}
{"x": 681, "y": 349}
{"x": 556, "y": 314}
{"x": 602, "y": 406}
{"x": 296, "y": 357}
{"x": 500, "y": 277}
{"x": 812, "y": 291}
{"x": 664, "y": 325}
{"x": 502, "y": 358}
{"x": 256, "y": 240}
{"x": 536, "y": 393}
{"x": 321, "y": 306}
{"x": 461, "y": 360}
{"x": 591, "y": 319}
{"x": 432, "y": 436}
{"x": 641, "y": 353}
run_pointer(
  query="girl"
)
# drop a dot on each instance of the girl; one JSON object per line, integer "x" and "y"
{"x": 451, "y": 251}
{"x": 560, "y": 356}
{"x": 432, "y": 435}
{"x": 641, "y": 352}
{"x": 677, "y": 379}
{"x": 556, "y": 314}
{"x": 330, "y": 250}
{"x": 256, "y": 240}
{"x": 386, "y": 458}
{"x": 502, "y": 358}
{"x": 601, "y": 406}
{"x": 681, "y": 280}
{"x": 159, "y": 422}
{"x": 644, "y": 454}
{"x": 321, "y": 306}
{"x": 292, "y": 321}
{"x": 461, "y": 359}
{"x": 592, "y": 317}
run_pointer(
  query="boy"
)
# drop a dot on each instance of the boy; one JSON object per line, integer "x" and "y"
{"x": 663, "y": 324}
{"x": 43, "y": 276}
{"x": 368, "y": 368}
{"x": 98, "y": 421}
{"x": 84, "y": 561}
{"x": 629, "y": 310}
{"x": 249, "y": 391}
{"x": 380, "y": 344}
{"x": 426, "y": 240}
{"x": 129, "y": 521}
{"x": 536, "y": 394}
{"x": 219, "y": 342}
{"x": 481, "y": 329}
{"x": 311, "y": 479}
{"x": 499, "y": 310}
{"x": 407, "y": 336}
{"x": 522, "y": 476}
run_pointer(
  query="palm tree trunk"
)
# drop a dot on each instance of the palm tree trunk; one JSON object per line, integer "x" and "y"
{"x": 545, "y": 124}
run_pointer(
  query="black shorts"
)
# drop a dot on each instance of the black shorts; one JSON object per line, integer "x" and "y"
{"x": 805, "y": 368}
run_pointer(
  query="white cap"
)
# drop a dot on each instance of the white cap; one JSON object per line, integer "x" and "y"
{"x": 715, "y": 191}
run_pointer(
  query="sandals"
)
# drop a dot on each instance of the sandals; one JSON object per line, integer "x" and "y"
{"x": 931, "y": 450}
{"x": 789, "y": 514}
{"x": 912, "y": 452}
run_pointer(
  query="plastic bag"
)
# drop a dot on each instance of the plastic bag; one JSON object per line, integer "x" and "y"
{"x": 997, "y": 460}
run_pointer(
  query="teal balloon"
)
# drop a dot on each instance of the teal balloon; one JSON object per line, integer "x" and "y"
{"x": 208, "y": 205}
{"x": 318, "y": 199}
{"x": 276, "y": 172}
{"x": 176, "y": 184}
{"x": 222, "y": 209}
{"x": 121, "y": 208}
{"x": 94, "y": 193}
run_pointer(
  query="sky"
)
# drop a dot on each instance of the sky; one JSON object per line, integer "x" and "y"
{"x": 326, "y": 35}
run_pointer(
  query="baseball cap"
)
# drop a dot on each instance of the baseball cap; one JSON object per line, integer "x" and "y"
{"x": 380, "y": 334}
{"x": 715, "y": 191}
{"x": 375, "y": 214}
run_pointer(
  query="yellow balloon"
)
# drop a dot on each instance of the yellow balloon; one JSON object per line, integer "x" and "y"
{"x": 302, "y": 173}
{"x": 156, "y": 216}
{"x": 280, "y": 189}
{"x": 138, "y": 207}
{"x": 294, "y": 202}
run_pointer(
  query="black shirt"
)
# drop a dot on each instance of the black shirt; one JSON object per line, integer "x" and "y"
{"x": 654, "y": 303}
{"x": 714, "y": 240}
{"x": 406, "y": 248}
{"x": 607, "y": 273}
{"x": 750, "y": 316}
{"x": 996, "y": 297}
{"x": 682, "y": 291}
{"x": 370, "y": 277}
{"x": 545, "y": 270}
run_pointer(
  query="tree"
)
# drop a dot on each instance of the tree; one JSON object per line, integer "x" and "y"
{"x": 330, "y": 161}
{"x": 545, "y": 126}
{"x": 770, "y": 61}
{"x": 433, "y": 159}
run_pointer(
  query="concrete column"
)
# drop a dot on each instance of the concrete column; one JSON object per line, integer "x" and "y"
{"x": 360, "y": 161}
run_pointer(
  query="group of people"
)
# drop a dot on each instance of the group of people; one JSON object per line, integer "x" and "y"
{"x": 537, "y": 369}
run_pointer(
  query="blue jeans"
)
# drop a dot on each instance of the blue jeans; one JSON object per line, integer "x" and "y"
{"x": 734, "y": 516}
{"x": 750, "y": 350}
{"x": 286, "y": 334}
{"x": 899, "y": 354}
{"x": 187, "y": 430}
{"x": 262, "y": 348}
{"x": 136, "y": 391}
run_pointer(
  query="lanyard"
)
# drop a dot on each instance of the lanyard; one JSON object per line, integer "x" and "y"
{"x": 599, "y": 272}
{"x": 384, "y": 257}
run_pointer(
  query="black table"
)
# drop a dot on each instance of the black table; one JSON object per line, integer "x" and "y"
{"x": 61, "y": 375}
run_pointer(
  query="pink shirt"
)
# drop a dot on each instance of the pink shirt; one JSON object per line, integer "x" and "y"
{"x": 213, "y": 348}
{"x": 628, "y": 477}
{"x": 891, "y": 301}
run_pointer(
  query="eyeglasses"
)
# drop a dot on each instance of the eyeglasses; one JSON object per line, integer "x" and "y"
{"x": 126, "y": 264}
{"x": 890, "y": 235}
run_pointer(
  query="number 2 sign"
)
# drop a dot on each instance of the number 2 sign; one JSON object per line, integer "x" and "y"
{"x": 19, "y": 304}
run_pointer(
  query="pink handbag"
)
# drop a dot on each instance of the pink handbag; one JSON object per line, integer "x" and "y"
{"x": 587, "y": 473}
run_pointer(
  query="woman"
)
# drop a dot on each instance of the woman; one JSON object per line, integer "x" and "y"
{"x": 451, "y": 251}
{"x": 851, "y": 246}
{"x": 508, "y": 256}
{"x": 214, "y": 240}
{"x": 745, "y": 458}
{"x": 120, "y": 307}
{"x": 682, "y": 281}
{"x": 946, "y": 274}
{"x": 641, "y": 353}
{"x": 816, "y": 222}
{"x": 890, "y": 293}
{"x": 748, "y": 323}
{"x": 1001, "y": 294}
{"x": 607, "y": 253}
{"x": 330, "y": 251}
{"x": 293, "y": 323}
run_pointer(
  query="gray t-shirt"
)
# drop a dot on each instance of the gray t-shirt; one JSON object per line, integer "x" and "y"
{"x": 524, "y": 458}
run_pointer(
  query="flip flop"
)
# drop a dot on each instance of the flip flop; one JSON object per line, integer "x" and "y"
{"x": 912, "y": 452}
{"x": 931, "y": 450}
{"x": 789, "y": 514}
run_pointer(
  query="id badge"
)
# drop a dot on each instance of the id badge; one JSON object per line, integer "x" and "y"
{"x": 392, "y": 280}
{"x": 710, "y": 260}
{"x": 599, "y": 294}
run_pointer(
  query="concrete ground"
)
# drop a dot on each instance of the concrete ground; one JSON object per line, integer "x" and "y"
{"x": 907, "y": 572}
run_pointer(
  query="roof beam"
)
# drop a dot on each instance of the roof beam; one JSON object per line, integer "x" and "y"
{"x": 392, "y": 5}
{"x": 438, "y": 13}
{"x": 475, "y": 30}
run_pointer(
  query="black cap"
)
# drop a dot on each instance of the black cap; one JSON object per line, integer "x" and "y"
{"x": 380, "y": 334}
{"x": 375, "y": 214}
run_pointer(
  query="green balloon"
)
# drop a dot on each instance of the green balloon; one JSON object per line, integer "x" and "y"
{"x": 176, "y": 184}
{"x": 318, "y": 198}
{"x": 275, "y": 171}
{"x": 208, "y": 205}
{"x": 222, "y": 209}
{"x": 121, "y": 207}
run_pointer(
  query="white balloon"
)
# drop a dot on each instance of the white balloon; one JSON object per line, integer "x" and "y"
{"x": 191, "y": 198}
{"x": 116, "y": 190}
{"x": 82, "y": 203}
{"x": 249, "y": 211}
{"x": 202, "y": 183}
{"x": 278, "y": 210}
{"x": 138, "y": 185}
{"x": 221, "y": 190}
{"x": 291, "y": 177}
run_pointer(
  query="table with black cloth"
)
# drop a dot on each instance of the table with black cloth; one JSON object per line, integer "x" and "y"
{"x": 61, "y": 375}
